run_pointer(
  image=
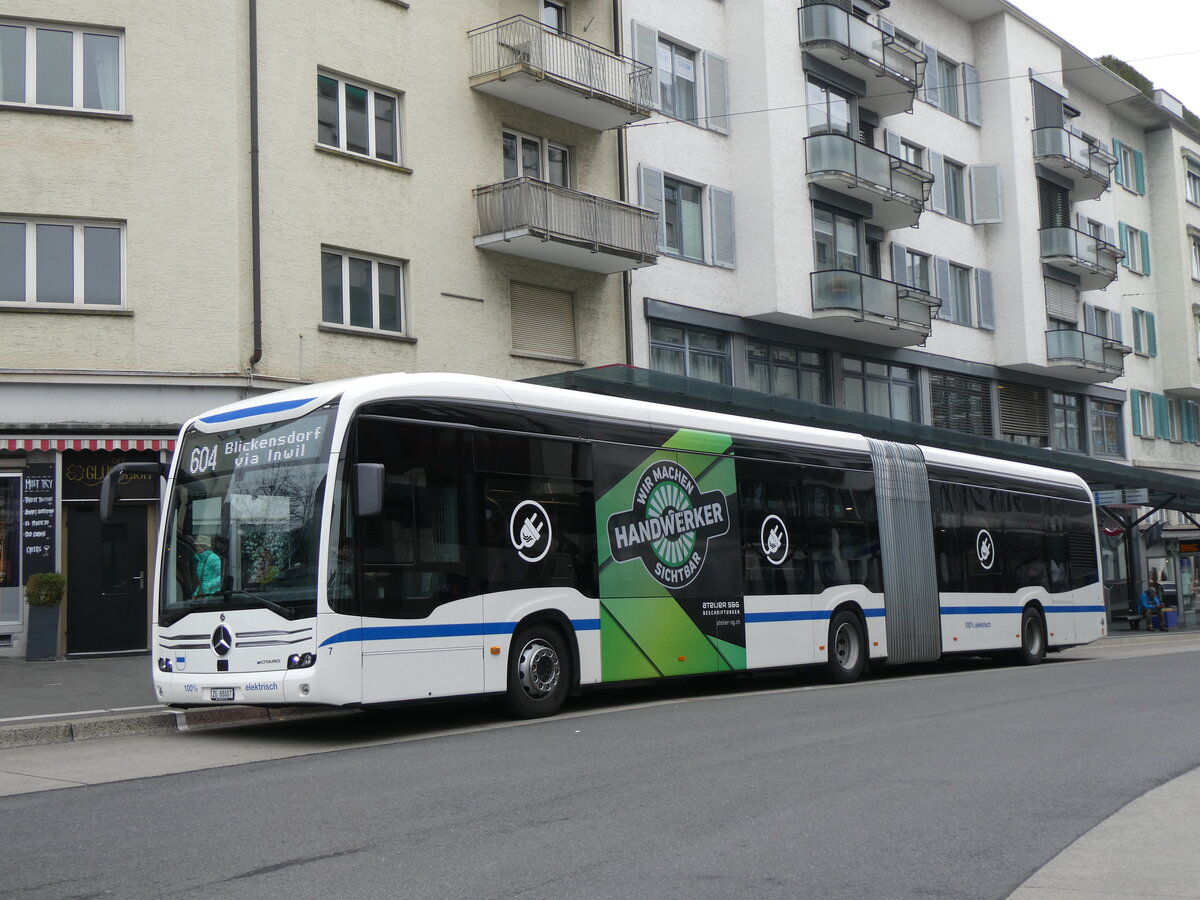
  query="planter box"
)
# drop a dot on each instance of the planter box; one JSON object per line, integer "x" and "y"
{"x": 41, "y": 640}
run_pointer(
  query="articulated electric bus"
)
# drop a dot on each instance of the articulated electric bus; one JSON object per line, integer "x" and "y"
{"x": 404, "y": 537}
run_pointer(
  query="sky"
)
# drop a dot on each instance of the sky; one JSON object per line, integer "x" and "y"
{"x": 1159, "y": 38}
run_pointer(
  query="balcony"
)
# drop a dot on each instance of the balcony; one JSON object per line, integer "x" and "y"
{"x": 524, "y": 62}
{"x": 860, "y": 306}
{"x": 899, "y": 190}
{"x": 1088, "y": 165}
{"x": 1092, "y": 259}
{"x": 1088, "y": 358}
{"x": 535, "y": 220}
{"x": 892, "y": 70}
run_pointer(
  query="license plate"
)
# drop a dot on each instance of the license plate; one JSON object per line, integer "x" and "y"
{"x": 221, "y": 694}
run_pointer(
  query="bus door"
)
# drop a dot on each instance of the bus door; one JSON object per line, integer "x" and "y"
{"x": 418, "y": 578}
{"x": 670, "y": 558}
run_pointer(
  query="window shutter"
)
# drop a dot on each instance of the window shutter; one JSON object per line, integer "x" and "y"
{"x": 941, "y": 269}
{"x": 1139, "y": 164}
{"x": 1089, "y": 318}
{"x": 1187, "y": 415}
{"x": 1151, "y": 337}
{"x": 886, "y": 26}
{"x": 1119, "y": 172}
{"x": 892, "y": 141}
{"x": 974, "y": 110}
{"x": 716, "y": 92}
{"x": 937, "y": 196}
{"x": 1109, "y": 236}
{"x": 1123, "y": 233}
{"x": 899, "y": 275}
{"x": 1118, "y": 333}
{"x": 1138, "y": 325}
{"x": 985, "y": 194}
{"x": 1023, "y": 410}
{"x": 1162, "y": 416}
{"x": 1145, "y": 238}
{"x": 645, "y": 51}
{"x": 724, "y": 244}
{"x": 650, "y": 182}
{"x": 983, "y": 293}
{"x": 933, "y": 94}
{"x": 1135, "y": 408}
{"x": 1062, "y": 301}
{"x": 1081, "y": 223}
{"x": 543, "y": 320}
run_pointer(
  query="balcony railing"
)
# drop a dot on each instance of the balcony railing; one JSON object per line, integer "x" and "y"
{"x": 903, "y": 187}
{"x": 1092, "y": 259}
{"x": 1087, "y": 163}
{"x": 537, "y": 220}
{"x": 866, "y": 51}
{"x": 523, "y": 60}
{"x": 1086, "y": 350}
{"x": 873, "y": 299}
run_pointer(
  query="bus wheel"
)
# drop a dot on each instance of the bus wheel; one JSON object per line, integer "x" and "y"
{"x": 539, "y": 673}
{"x": 1033, "y": 637}
{"x": 847, "y": 649}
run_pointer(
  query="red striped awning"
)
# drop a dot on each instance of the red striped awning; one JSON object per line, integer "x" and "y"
{"x": 85, "y": 443}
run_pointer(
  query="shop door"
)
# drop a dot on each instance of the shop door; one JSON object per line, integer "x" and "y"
{"x": 106, "y": 580}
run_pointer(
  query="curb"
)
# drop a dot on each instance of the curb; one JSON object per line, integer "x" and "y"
{"x": 164, "y": 721}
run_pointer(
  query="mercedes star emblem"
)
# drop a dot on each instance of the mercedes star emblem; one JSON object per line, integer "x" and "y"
{"x": 222, "y": 640}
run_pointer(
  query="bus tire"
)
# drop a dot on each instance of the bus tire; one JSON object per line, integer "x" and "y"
{"x": 847, "y": 648}
{"x": 539, "y": 672}
{"x": 1033, "y": 637}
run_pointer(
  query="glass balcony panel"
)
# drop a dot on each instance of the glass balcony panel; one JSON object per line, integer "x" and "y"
{"x": 879, "y": 297}
{"x": 870, "y": 296}
{"x": 826, "y": 22}
{"x": 836, "y": 289}
{"x": 830, "y": 153}
{"x": 874, "y": 165}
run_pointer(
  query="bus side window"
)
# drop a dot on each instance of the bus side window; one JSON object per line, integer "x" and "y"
{"x": 948, "y": 500}
{"x": 843, "y": 528}
{"x": 768, "y": 489}
{"x": 1058, "y": 556}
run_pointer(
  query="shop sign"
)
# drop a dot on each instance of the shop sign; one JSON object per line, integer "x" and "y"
{"x": 84, "y": 471}
{"x": 1189, "y": 547}
{"x": 37, "y": 519}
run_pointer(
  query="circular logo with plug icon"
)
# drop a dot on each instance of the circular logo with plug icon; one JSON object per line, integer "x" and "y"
{"x": 773, "y": 538}
{"x": 530, "y": 532}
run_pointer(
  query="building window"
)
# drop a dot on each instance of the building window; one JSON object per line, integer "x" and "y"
{"x": 960, "y": 403}
{"x": 1131, "y": 167}
{"x": 554, "y": 15}
{"x": 525, "y": 155}
{"x": 543, "y": 321}
{"x": 61, "y": 66}
{"x": 1143, "y": 413}
{"x": 10, "y": 547}
{"x": 1192, "y": 181}
{"x": 956, "y": 198}
{"x": 830, "y": 111}
{"x": 677, "y": 80}
{"x": 683, "y": 219}
{"x": 1174, "y": 420}
{"x": 1023, "y": 418}
{"x": 1067, "y": 410}
{"x": 956, "y": 298}
{"x": 916, "y": 271}
{"x": 786, "y": 371}
{"x": 362, "y": 291}
{"x": 55, "y": 262}
{"x": 693, "y": 352}
{"x": 1195, "y": 244}
{"x": 1105, "y": 428}
{"x": 949, "y": 87}
{"x": 879, "y": 389}
{"x": 912, "y": 153}
{"x": 1145, "y": 337}
{"x": 1135, "y": 244}
{"x": 835, "y": 240}
{"x": 358, "y": 118}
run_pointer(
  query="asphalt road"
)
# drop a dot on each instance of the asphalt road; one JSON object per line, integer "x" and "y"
{"x": 954, "y": 781}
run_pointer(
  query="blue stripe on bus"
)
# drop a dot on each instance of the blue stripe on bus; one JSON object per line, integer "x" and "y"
{"x": 249, "y": 411}
{"x": 411, "y": 632}
{"x": 796, "y": 615}
{"x": 800, "y": 615}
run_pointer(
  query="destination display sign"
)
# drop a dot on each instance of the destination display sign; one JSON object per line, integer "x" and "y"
{"x": 302, "y": 440}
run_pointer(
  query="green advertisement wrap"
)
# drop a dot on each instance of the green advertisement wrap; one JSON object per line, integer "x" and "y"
{"x": 670, "y": 558}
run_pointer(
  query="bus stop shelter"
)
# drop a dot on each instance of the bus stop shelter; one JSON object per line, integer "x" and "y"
{"x": 1127, "y": 496}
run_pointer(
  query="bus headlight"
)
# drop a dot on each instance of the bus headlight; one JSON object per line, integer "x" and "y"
{"x": 165, "y": 665}
{"x": 301, "y": 660}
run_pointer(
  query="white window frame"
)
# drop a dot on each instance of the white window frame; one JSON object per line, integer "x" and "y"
{"x": 551, "y": 10}
{"x": 1145, "y": 409}
{"x": 959, "y": 306}
{"x": 373, "y": 91}
{"x": 918, "y": 263}
{"x": 1133, "y": 249}
{"x": 375, "y": 261}
{"x": 912, "y": 153}
{"x": 1191, "y": 179}
{"x": 544, "y": 147}
{"x": 671, "y": 47}
{"x": 960, "y": 172}
{"x": 77, "y": 74}
{"x": 946, "y": 63}
{"x": 78, "y": 261}
{"x": 1194, "y": 241}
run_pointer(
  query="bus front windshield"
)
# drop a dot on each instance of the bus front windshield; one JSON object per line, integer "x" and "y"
{"x": 243, "y": 525}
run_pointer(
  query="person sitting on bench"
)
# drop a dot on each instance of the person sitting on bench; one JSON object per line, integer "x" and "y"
{"x": 1150, "y": 606}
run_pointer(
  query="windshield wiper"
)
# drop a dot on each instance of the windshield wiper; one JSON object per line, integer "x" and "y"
{"x": 282, "y": 610}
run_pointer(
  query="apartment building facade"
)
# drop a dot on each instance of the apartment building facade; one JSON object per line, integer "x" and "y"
{"x": 203, "y": 202}
{"x": 941, "y": 212}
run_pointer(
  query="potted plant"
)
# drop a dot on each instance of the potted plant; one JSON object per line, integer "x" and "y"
{"x": 44, "y": 594}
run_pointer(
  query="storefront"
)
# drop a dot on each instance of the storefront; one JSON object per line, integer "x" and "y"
{"x": 50, "y": 522}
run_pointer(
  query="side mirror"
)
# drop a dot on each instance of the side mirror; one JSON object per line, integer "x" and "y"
{"x": 108, "y": 487}
{"x": 368, "y": 488}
